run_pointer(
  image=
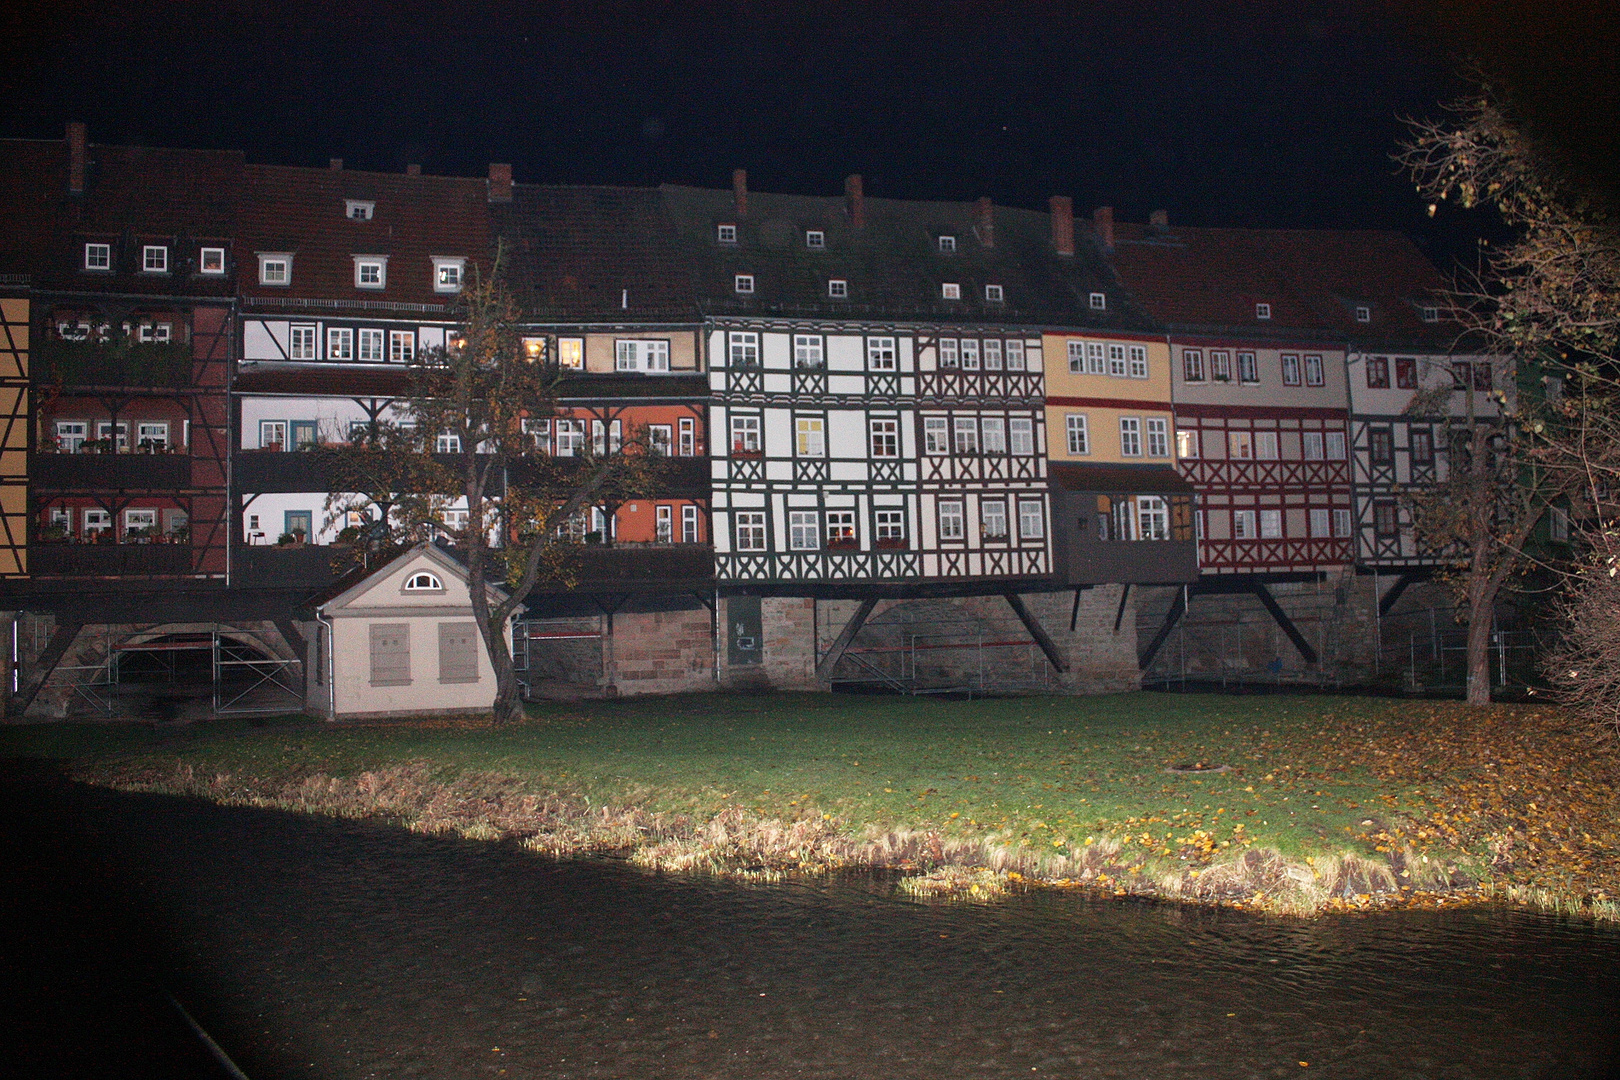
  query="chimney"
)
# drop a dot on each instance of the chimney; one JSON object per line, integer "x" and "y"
{"x": 75, "y": 141}
{"x": 984, "y": 222}
{"x": 855, "y": 200}
{"x": 335, "y": 164}
{"x": 739, "y": 188}
{"x": 1103, "y": 220}
{"x": 413, "y": 170}
{"x": 500, "y": 183}
{"x": 1160, "y": 220}
{"x": 1062, "y": 224}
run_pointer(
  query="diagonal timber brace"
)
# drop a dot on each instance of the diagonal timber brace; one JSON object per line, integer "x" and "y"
{"x": 1178, "y": 608}
{"x": 54, "y": 649}
{"x": 1269, "y": 602}
{"x": 1037, "y": 631}
{"x": 824, "y": 668}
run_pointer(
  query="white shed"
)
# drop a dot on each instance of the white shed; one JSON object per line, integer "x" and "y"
{"x": 401, "y": 641}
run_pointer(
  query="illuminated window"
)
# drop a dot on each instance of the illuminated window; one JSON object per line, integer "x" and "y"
{"x": 571, "y": 352}
{"x": 211, "y": 261}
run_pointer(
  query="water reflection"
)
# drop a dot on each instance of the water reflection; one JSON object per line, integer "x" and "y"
{"x": 344, "y": 949}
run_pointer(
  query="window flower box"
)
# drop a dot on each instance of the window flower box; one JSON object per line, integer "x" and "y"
{"x": 749, "y": 455}
{"x": 892, "y": 544}
{"x": 847, "y": 543}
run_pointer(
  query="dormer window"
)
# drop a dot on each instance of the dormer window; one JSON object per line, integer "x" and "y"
{"x": 993, "y": 294}
{"x": 837, "y": 288}
{"x": 950, "y": 290}
{"x": 815, "y": 239}
{"x": 726, "y": 234}
{"x": 358, "y": 209}
{"x": 1363, "y": 313}
{"x": 1429, "y": 314}
{"x": 154, "y": 259}
{"x": 211, "y": 261}
{"x": 424, "y": 582}
{"x": 98, "y": 256}
{"x": 275, "y": 268}
{"x": 1262, "y": 311}
{"x": 370, "y": 271}
{"x": 947, "y": 243}
{"x": 1099, "y": 301}
{"x": 744, "y": 284}
{"x": 448, "y": 274}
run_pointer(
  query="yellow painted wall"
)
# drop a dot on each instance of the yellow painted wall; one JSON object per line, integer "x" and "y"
{"x": 1102, "y": 425}
{"x": 1060, "y": 382}
{"x": 1102, "y": 420}
{"x": 600, "y": 348}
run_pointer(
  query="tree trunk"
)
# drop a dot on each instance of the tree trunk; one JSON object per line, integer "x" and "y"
{"x": 508, "y": 696}
{"x": 1480, "y": 618}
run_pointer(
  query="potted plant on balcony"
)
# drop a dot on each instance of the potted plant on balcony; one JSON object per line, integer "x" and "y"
{"x": 890, "y": 543}
{"x": 843, "y": 543}
{"x": 272, "y": 447}
{"x": 54, "y": 533}
{"x": 138, "y": 534}
{"x": 738, "y": 450}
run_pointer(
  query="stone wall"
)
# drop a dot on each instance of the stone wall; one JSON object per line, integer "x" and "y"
{"x": 660, "y": 652}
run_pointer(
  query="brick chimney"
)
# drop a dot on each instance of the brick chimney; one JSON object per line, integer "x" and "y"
{"x": 739, "y": 188}
{"x": 413, "y": 170}
{"x": 335, "y": 164}
{"x": 76, "y": 158}
{"x": 855, "y": 200}
{"x": 984, "y": 221}
{"x": 1062, "y": 224}
{"x": 500, "y": 183}
{"x": 1102, "y": 220}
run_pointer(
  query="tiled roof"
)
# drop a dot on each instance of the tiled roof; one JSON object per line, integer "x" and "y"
{"x": 1199, "y": 279}
{"x": 892, "y": 263}
{"x": 302, "y": 211}
{"x": 593, "y": 255}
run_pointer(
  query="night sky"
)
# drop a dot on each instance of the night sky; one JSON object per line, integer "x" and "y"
{"x": 1253, "y": 114}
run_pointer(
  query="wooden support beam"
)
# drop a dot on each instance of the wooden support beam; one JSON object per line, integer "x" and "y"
{"x": 1037, "y": 631}
{"x": 1119, "y": 616}
{"x": 1280, "y": 616}
{"x": 824, "y": 667}
{"x": 1074, "y": 612}
{"x": 61, "y": 638}
{"x": 1178, "y": 607}
{"x": 1389, "y": 599}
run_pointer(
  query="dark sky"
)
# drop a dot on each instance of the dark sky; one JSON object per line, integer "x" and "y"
{"x": 1252, "y": 114}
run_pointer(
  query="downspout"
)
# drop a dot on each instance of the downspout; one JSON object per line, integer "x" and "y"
{"x": 331, "y": 669}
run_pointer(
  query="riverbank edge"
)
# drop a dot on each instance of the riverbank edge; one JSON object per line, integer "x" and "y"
{"x": 738, "y": 844}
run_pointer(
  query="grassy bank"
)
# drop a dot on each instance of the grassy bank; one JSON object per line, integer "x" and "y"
{"x": 1296, "y": 804}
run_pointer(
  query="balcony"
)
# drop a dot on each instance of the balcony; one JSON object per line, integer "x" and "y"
{"x": 264, "y": 567}
{"x": 109, "y": 560}
{"x": 325, "y": 468}
{"x": 1138, "y": 562}
{"x": 640, "y": 568}
{"x": 117, "y": 362}
{"x": 102, "y": 472}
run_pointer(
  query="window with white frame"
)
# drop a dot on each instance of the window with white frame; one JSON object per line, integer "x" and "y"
{"x": 1335, "y": 445}
{"x": 810, "y": 436}
{"x": 1262, "y": 311}
{"x": 663, "y": 524}
{"x": 1341, "y": 523}
{"x": 1243, "y": 525}
{"x": 119, "y": 433}
{"x": 98, "y": 256}
{"x": 1021, "y": 435}
{"x": 448, "y": 274}
{"x": 1116, "y": 360}
{"x": 995, "y": 434}
{"x": 71, "y": 434}
{"x": 152, "y": 435}
{"x": 815, "y": 239}
{"x": 371, "y": 345}
{"x": 743, "y": 284}
{"x": 1311, "y": 443}
{"x": 339, "y": 343}
{"x": 804, "y": 530}
{"x": 947, "y": 243}
{"x": 358, "y": 209}
{"x": 447, "y": 442}
{"x": 571, "y": 353}
{"x": 689, "y": 524}
{"x": 952, "y": 522}
{"x": 1099, "y": 302}
{"x": 1015, "y": 355}
{"x": 639, "y": 355}
{"x": 1265, "y": 446}
{"x": 950, "y": 290}
{"x": 1429, "y": 314}
{"x": 538, "y": 431}
{"x": 743, "y": 349}
{"x": 936, "y": 439}
{"x": 970, "y": 354}
{"x": 275, "y": 269}
{"x": 745, "y": 435}
{"x": 1158, "y": 436}
{"x": 660, "y": 439}
{"x": 726, "y": 234}
{"x": 1079, "y": 440}
{"x": 1152, "y": 518}
{"x": 607, "y": 438}
{"x": 808, "y": 351}
{"x": 1220, "y": 365}
{"x": 301, "y": 342}
{"x": 424, "y": 582}
{"x": 401, "y": 346}
{"x": 880, "y": 353}
{"x": 885, "y": 438}
{"x": 948, "y": 354}
{"x": 1240, "y": 445}
{"x": 370, "y": 272}
{"x": 1031, "y": 519}
{"x": 1271, "y": 525}
{"x": 1077, "y": 357}
{"x": 992, "y": 354}
{"x": 156, "y": 332}
{"x": 686, "y": 429}
{"x": 841, "y": 529}
{"x": 1192, "y": 365}
{"x": 1095, "y": 363}
{"x": 750, "y": 529}
{"x": 993, "y": 294}
{"x": 1321, "y": 523}
{"x": 96, "y": 521}
{"x": 1313, "y": 370}
{"x": 154, "y": 259}
{"x": 993, "y": 519}
{"x": 145, "y": 520}
{"x": 1248, "y": 368}
{"x": 837, "y": 288}
{"x": 1363, "y": 313}
{"x": 570, "y": 437}
{"x": 211, "y": 260}
{"x": 1290, "y": 369}
{"x": 1139, "y": 363}
{"x": 272, "y": 434}
{"x": 967, "y": 434}
{"x": 891, "y": 526}
{"x": 1130, "y": 436}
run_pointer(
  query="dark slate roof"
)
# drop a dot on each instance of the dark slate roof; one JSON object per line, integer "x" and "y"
{"x": 1123, "y": 478}
{"x": 892, "y": 263}
{"x": 602, "y": 255}
{"x": 1198, "y": 279}
{"x": 301, "y": 210}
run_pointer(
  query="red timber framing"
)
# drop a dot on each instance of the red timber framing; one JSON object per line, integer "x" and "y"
{"x": 14, "y": 399}
{"x": 209, "y": 405}
{"x": 1274, "y": 488}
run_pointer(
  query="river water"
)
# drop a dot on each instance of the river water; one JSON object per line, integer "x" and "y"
{"x": 320, "y": 948}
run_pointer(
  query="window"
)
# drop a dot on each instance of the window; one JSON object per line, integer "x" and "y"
{"x": 159, "y": 332}
{"x": 390, "y": 654}
{"x": 73, "y": 331}
{"x": 815, "y": 239}
{"x": 1482, "y": 375}
{"x": 448, "y": 274}
{"x": 1243, "y": 525}
{"x": 885, "y": 438}
{"x": 689, "y": 524}
{"x": 1152, "y": 517}
{"x": 1220, "y": 366}
{"x": 303, "y": 434}
{"x": 275, "y": 269}
{"x": 1377, "y": 372}
{"x": 1139, "y": 364}
{"x": 947, "y": 243}
{"x": 687, "y": 429}
{"x": 804, "y": 530}
{"x": 401, "y": 346}
{"x": 539, "y": 433}
{"x": 992, "y": 354}
{"x": 808, "y": 351}
{"x": 424, "y": 582}
{"x": 995, "y": 434}
{"x": 1422, "y": 440}
{"x": 1077, "y": 357}
{"x": 1186, "y": 443}
{"x": 1099, "y": 302}
{"x": 1363, "y": 313}
{"x": 1290, "y": 369}
{"x": 571, "y": 353}
{"x": 1248, "y": 369}
{"x": 744, "y": 284}
{"x": 992, "y": 293}
{"x": 607, "y": 438}
{"x": 1341, "y": 523}
{"x": 745, "y": 435}
{"x": 70, "y": 435}
{"x": 1094, "y": 358}
{"x": 891, "y": 527}
{"x": 1262, "y": 311}
{"x": 1130, "y": 436}
{"x": 647, "y": 356}
{"x": 570, "y": 438}
{"x": 1406, "y": 373}
{"x": 1192, "y": 365}
{"x": 358, "y": 209}
{"x": 1429, "y": 314}
{"x": 726, "y": 234}
{"x": 301, "y": 343}
{"x": 970, "y": 354}
{"x": 837, "y": 288}
{"x": 1381, "y": 445}
{"x": 98, "y": 256}
{"x": 370, "y": 273}
{"x": 145, "y": 520}
{"x": 967, "y": 434}
{"x": 1313, "y": 445}
{"x": 810, "y": 436}
{"x": 447, "y": 442}
{"x": 211, "y": 260}
{"x": 1079, "y": 441}
{"x": 1320, "y": 523}
{"x": 154, "y": 259}
{"x": 1031, "y": 519}
{"x": 272, "y": 434}
{"x": 1313, "y": 370}
{"x": 1015, "y": 356}
{"x": 935, "y": 439}
{"x": 1386, "y": 519}
{"x": 993, "y": 519}
{"x": 1116, "y": 361}
{"x": 952, "y": 524}
{"x": 1265, "y": 446}
{"x": 659, "y": 439}
{"x": 1021, "y": 435}
{"x": 950, "y": 290}
{"x": 96, "y": 522}
{"x": 743, "y": 349}
{"x": 339, "y": 343}
{"x": 841, "y": 529}
{"x": 1558, "y": 524}
{"x": 1335, "y": 445}
{"x": 750, "y": 526}
{"x": 1271, "y": 525}
{"x": 371, "y": 345}
{"x": 880, "y": 353}
{"x": 1240, "y": 445}
{"x": 1158, "y": 437}
{"x": 947, "y": 353}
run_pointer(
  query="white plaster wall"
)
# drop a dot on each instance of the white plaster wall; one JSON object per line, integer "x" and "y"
{"x": 354, "y": 694}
